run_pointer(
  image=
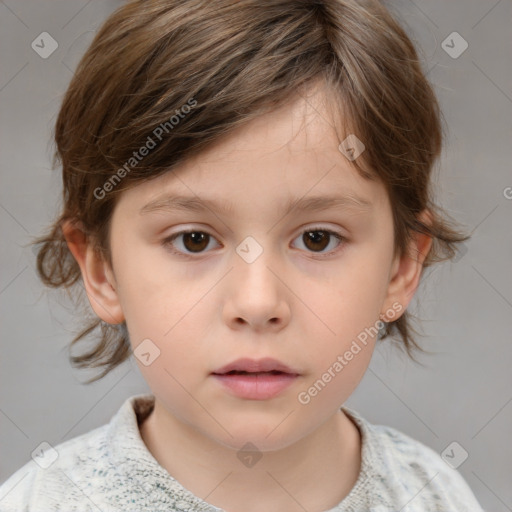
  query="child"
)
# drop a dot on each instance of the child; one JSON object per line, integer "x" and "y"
{"x": 292, "y": 141}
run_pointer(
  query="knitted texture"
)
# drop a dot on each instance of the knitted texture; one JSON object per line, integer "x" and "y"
{"x": 110, "y": 469}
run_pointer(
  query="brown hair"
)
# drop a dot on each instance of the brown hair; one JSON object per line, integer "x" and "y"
{"x": 193, "y": 71}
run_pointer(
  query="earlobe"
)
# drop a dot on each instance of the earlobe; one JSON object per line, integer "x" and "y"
{"x": 96, "y": 274}
{"x": 407, "y": 269}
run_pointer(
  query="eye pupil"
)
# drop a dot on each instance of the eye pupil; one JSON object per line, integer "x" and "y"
{"x": 195, "y": 237}
{"x": 317, "y": 237}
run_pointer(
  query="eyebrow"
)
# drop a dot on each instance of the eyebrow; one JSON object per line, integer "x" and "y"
{"x": 170, "y": 203}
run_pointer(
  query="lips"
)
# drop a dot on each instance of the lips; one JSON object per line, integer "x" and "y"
{"x": 253, "y": 366}
{"x": 251, "y": 379}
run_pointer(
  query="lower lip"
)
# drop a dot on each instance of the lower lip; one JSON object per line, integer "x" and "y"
{"x": 256, "y": 387}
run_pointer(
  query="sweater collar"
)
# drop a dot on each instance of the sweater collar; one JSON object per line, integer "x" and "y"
{"x": 141, "y": 470}
{"x": 131, "y": 456}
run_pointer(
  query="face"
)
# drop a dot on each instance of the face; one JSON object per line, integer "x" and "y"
{"x": 238, "y": 274}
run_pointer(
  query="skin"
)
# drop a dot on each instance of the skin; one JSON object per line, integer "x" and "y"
{"x": 291, "y": 304}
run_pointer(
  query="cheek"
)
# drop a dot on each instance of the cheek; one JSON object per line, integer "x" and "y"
{"x": 182, "y": 353}
{"x": 352, "y": 299}
{"x": 346, "y": 325}
{"x": 173, "y": 311}
{"x": 336, "y": 381}
{"x": 176, "y": 324}
{"x": 338, "y": 360}
{"x": 155, "y": 293}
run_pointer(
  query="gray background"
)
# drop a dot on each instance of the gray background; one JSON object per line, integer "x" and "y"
{"x": 463, "y": 394}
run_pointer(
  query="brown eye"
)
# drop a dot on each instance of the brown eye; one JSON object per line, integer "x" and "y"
{"x": 190, "y": 242}
{"x": 195, "y": 241}
{"x": 317, "y": 240}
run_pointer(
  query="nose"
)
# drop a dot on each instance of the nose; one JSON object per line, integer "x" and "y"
{"x": 257, "y": 296}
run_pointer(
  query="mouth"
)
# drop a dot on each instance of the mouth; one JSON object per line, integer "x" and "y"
{"x": 241, "y": 372}
{"x": 256, "y": 379}
{"x": 253, "y": 366}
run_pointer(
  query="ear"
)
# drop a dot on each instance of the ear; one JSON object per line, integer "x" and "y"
{"x": 97, "y": 275}
{"x": 406, "y": 270}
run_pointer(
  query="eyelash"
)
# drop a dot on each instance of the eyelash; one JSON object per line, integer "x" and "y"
{"x": 167, "y": 242}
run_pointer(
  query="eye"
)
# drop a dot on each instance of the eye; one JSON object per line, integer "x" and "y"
{"x": 316, "y": 239}
{"x": 193, "y": 242}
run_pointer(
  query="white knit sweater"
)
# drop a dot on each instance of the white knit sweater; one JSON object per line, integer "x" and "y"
{"x": 110, "y": 469}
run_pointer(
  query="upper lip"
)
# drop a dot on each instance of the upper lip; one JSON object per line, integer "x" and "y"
{"x": 256, "y": 365}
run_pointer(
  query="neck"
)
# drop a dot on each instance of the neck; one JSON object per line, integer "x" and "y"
{"x": 315, "y": 473}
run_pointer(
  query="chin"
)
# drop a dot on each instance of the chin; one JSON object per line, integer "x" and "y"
{"x": 265, "y": 435}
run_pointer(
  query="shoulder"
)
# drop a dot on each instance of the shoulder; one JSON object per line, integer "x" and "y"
{"x": 416, "y": 461}
{"x": 408, "y": 473}
{"x": 54, "y": 472}
{"x": 82, "y": 473}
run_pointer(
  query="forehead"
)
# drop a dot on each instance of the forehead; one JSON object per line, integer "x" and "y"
{"x": 305, "y": 124}
{"x": 285, "y": 156}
